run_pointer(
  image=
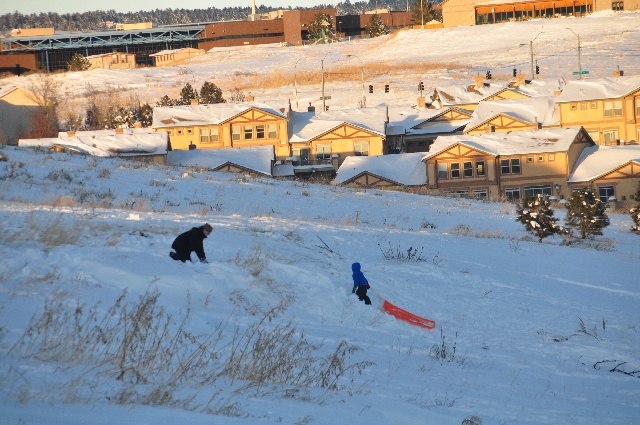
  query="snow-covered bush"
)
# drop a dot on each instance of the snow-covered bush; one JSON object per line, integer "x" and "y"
{"x": 537, "y": 216}
{"x": 586, "y": 212}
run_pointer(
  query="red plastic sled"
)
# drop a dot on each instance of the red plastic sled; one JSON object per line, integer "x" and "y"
{"x": 410, "y": 318}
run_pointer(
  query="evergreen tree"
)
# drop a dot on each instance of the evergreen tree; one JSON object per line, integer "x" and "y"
{"x": 537, "y": 216}
{"x": 635, "y": 212}
{"x": 321, "y": 29}
{"x": 144, "y": 115}
{"x": 421, "y": 12}
{"x": 122, "y": 118}
{"x": 586, "y": 212}
{"x": 187, "y": 94}
{"x": 166, "y": 101}
{"x": 210, "y": 93}
{"x": 375, "y": 27}
{"x": 78, "y": 63}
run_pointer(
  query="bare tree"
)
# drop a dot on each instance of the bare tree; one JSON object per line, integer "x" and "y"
{"x": 46, "y": 93}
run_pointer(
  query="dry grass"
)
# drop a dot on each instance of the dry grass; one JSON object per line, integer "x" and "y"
{"x": 51, "y": 234}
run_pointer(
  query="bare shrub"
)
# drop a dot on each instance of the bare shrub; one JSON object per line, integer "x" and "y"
{"x": 254, "y": 263}
{"x": 52, "y": 234}
{"x": 445, "y": 352}
{"x": 472, "y": 420}
{"x": 396, "y": 254}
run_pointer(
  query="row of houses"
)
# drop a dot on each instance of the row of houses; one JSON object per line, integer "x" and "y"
{"x": 467, "y": 136}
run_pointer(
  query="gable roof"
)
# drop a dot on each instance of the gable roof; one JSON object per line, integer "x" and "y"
{"x": 194, "y": 115}
{"x": 405, "y": 169}
{"x": 451, "y": 95}
{"x": 599, "y": 88}
{"x": 597, "y": 161}
{"x": 7, "y": 89}
{"x": 107, "y": 145}
{"x": 512, "y": 143}
{"x": 255, "y": 158}
{"x": 539, "y": 109}
{"x": 306, "y": 126}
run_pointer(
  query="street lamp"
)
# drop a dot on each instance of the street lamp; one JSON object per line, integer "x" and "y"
{"x": 533, "y": 75}
{"x": 364, "y": 99}
{"x": 422, "y": 13}
{"x": 579, "y": 59}
{"x": 295, "y": 80}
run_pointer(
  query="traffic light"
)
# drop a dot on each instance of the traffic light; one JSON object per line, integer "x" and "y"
{"x": 370, "y": 88}
{"x": 515, "y": 72}
{"x": 488, "y": 77}
{"x": 326, "y": 107}
{"x": 420, "y": 85}
{"x": 537, "y": 69}
{"x": 386, "y": 88}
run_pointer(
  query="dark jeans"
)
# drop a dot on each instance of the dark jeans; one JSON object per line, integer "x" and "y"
{"x": 361, "y": 292}
{"x": 182, "y": 256}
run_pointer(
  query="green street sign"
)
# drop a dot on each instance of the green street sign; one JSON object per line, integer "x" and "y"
{"x": 578, "y": 72}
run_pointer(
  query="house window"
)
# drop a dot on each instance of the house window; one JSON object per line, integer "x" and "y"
{"x": 610, "y": 136}
{"x": 605, "y": 192}
{"x": 595, "y": 136}
{"x": 540, "y": 158}
{"x": 480, "y": 194}
{"x": 467, "y": 169}
{"x": 361, "y": 148}
{"x": 531, "y": 191}
{"x": 638, "y": 134}
{"x": 323, "y": 152}
{"x": 204, "y": 135}
{"x": 594, "y": 105}
{"x": 247, "y": 130}
{"x": 613, "y": 108}
{"x": 443, "y": 172}
{"x": 235, "y": 132}
{"x": 510, "y": 166}
{"x": 574, "y": 106}
{"x": 455, "y": 170}
{"x": 214, "y": 135}
{"x": 512, "y": 194}
{"x": 480, "y": 168}
{"x": 273, "y": 131}
{"x": 189, "y": 131}
{"x": 583, "y": 105}
{"x": 529, "y": 159}
{"x": 179, "y": 132}
{"x": 617, "y": 6}
{"x": 170, "y": 132}
{"x": 260, "y": 132}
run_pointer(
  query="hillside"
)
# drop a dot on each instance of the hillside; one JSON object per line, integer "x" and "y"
{"x": 98, "y": 325}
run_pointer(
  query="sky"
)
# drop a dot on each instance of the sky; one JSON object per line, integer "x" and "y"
{"x": 71, "y": 6}
{"x": 526, "y": 332}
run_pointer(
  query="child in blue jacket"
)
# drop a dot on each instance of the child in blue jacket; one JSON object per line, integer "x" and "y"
{"x": 360, "y": 284}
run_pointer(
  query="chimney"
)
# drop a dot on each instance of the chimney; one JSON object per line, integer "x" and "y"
{"x": 253, "y": 7}
{"x": 479, "y": 82}
{"x": 422, "y": 103}
{"x": 618, "y": 73}
{"x": 250, "y": 98}
{"x": 557, "y": 92}
{"x": 119, "y": 130}
{"x": 194, "y": 101}
{"x": 536, "y": 125}
{"x": 520, "y": 80}
{"x": 137, "y": 124}
{"x": 71, "y": 133}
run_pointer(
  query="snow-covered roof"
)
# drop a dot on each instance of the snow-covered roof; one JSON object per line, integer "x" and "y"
{"x": 540, "y": 109}
{"x": 255, "y": 158}
{"x": 107, "y": 145}
{"x": 108, "y": 132}
{"x": 406, "y": 168}
{"x": 191, "y": 115}
{"x": 6, "y": 90}
{"x": 411, "y": 120}
{"x": 513, "y": 143}
{"x": 599, "y": 88}
{"x": 596, "y": 161}
{"x": 170, "y": 51}
{"x": 306, "y": 126}
{"x": 462, "y": 93}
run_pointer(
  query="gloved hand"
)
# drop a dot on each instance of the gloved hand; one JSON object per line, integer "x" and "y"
{"x": 353, "y": 291}
{"x": 204, "y": 260}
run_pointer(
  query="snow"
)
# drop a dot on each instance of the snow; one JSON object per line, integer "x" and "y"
{"x": 599, "y": 88}
{"x": 513, "y": 307}
{"x": 595, "y": 161}
{"x": 407, "y": 169}
{"x": 168, "y": 116}
{"x": 542, "y": 110}
{"x": 257, "y": 158}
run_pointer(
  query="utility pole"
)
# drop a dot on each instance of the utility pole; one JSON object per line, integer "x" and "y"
{"x": 533, "y": 75}
{"x": 579, "y": 58}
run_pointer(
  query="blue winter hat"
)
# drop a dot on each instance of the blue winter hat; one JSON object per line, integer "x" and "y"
{"x": 355, "y": 267}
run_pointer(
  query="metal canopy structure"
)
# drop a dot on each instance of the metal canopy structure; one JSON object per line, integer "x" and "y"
{"x": 102, "y": 39}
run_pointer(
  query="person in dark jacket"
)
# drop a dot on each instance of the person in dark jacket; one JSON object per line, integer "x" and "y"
{"x": 360, "y": 284}
{"x": 189, "y": 242}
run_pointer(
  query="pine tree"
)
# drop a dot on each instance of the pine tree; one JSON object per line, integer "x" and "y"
{"x": 537, "y": 216}
{"x": 78, "y": 63}
{"x": 144, "y": 115}
{"x": 376, "y": 27}
{"x": 586, "y": 212}
{"x": 321, "y": 29}
{"x": 421, "y": 12}
{"x": 166, "y": 101}
{"x": 187, "y": 94}
{"x": 635, "y": 212}
{"x": 210, "y": 93}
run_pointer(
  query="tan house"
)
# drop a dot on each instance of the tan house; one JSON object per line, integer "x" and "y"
{"x": 612, "y": 172}
{"x": 322, "y": 142}
{"x": 176, "y": 56}
{"x": 506, "y": 165}
{"x": 383, "y": 172}
{"x": 115, "y": 60}
{"x": 224, "y": 125}
{"x": 608, "y": 108}
{"x": 17, "y": 109}
{"x": 255, "y": 161}
{"x": 514, "y": 115}
{"x": 467, "y": 96}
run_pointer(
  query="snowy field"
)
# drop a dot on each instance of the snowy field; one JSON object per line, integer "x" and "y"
{"x": 268, "y": 331}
